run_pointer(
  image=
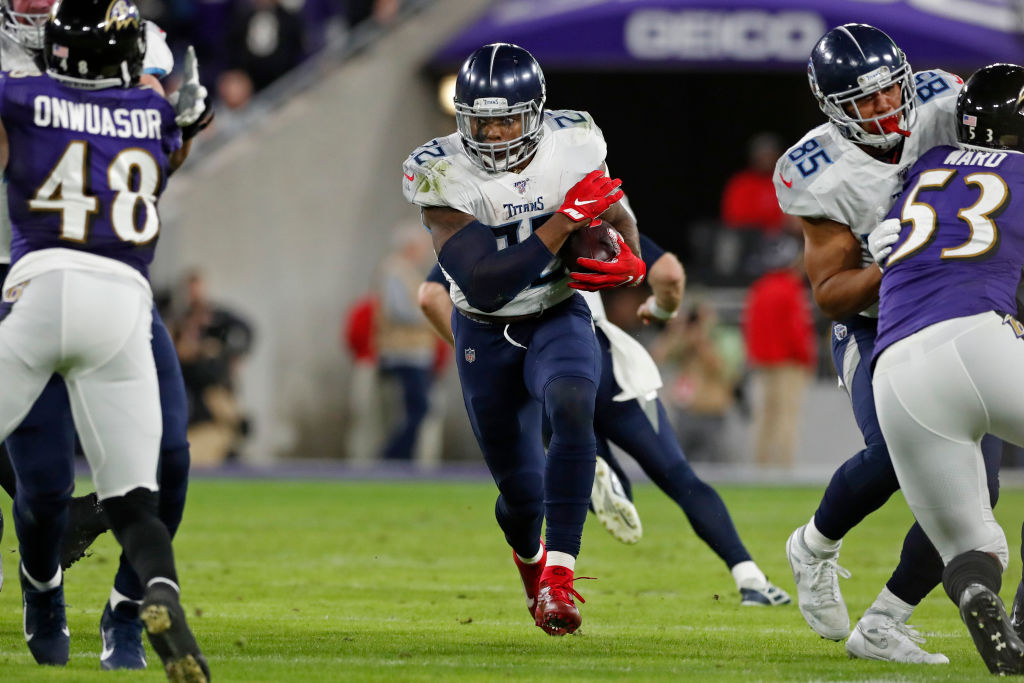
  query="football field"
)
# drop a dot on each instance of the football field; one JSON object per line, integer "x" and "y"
{"x": 368, "y": 581}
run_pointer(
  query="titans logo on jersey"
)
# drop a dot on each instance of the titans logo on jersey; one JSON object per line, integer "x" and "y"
{"x": 513, "y": 205}
{"x": 961, "y": 245}
{"x": 824, "y": 175}
{"x": 88, "y": 191}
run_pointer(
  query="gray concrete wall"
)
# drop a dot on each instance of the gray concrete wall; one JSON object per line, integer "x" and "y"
{"x": 289, "y": 220}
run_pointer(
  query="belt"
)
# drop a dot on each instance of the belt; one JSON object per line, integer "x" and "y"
{"x": 499, "y": 319}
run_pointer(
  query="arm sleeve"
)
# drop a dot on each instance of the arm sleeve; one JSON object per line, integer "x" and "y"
{"x": 488, "y": 277}
{"x": 437, "y": 275}
{"x": 650, "y": 250}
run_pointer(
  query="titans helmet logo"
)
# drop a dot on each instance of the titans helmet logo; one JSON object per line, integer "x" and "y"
{"x": 121, "y": 14}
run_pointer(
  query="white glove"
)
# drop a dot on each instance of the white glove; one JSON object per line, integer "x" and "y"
{"x": 189, "y": 101}
{"x": 882, "y": 238}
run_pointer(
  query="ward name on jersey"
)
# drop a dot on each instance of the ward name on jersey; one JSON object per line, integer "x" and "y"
{"x": 824, "y": 175}
{"x": 87, "y": 191}
{"x": 441, "y": 173}
{"x": 961, "y": 245}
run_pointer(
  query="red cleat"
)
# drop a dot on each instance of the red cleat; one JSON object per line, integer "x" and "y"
{"x": 530, "y": 574}
{"x": 556, "y": 613}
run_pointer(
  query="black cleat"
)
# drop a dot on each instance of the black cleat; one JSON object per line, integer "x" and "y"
{"x": 86, "y": 521}
{"x": 998, "y": 644}
{"x": 170, "y": 636}
{"x": 1017, "y": 613}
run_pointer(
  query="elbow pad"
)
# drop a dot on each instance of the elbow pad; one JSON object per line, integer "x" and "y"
{"x": 489, "y": 277}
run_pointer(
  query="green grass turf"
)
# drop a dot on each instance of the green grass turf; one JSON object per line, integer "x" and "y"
{"x": 357, "y": 581}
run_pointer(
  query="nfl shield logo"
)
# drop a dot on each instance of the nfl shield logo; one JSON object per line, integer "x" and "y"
{"x": 520, "y": 186}
{"x": 839, "y": 331}
{"x": 470, "y": 355}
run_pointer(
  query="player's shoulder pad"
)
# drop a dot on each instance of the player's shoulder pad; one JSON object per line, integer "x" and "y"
{"x": 936, "y": 86}
{"x": 576, "y": 129}
{"x": 158, "y": 60}
{"x": 804, "y": 166}
{"x": 430, "y": 170}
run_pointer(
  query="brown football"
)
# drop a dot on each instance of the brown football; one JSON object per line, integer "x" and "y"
{"x": 596, "y": 242}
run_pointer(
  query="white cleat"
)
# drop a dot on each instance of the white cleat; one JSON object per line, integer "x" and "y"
{"x": 817, "y": 588}
{"x": 611, "y": 505}
{"x": 881, "y": 637}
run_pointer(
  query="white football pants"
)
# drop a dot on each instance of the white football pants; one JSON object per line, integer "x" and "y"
{"x": 94, "y": 329}
{"x": 937, "y": 392}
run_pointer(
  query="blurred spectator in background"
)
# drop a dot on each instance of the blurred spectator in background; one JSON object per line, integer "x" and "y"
{"x": 266, "y": 39}
{"x": 748, "y": 201}
{"x": 211, "y": 342}
{"x": 781, "y": 343}
{"x": 706, "y": 359}
{"x": 750, "y": 212}
{"x": 362, "y": 397}
{"x": 406, "y": 344}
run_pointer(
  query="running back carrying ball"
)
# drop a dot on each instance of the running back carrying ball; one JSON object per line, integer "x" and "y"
{"x": 598, "y": 241}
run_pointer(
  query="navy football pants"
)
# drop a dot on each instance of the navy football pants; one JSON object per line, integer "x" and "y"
{"x": 509, "y": 375}
{"x": 863, "y": 483}
{"x": 651, "y": 442}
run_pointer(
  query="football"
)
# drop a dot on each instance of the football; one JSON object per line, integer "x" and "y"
{"x": 598, "y": 242}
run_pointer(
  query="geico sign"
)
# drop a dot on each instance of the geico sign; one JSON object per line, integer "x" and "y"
{"x": 707, "y": 34}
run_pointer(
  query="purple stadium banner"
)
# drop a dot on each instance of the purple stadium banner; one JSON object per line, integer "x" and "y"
{"x": 741, "y": 34}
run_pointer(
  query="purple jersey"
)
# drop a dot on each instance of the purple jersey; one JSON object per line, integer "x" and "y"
{"x": 961, "y": 246}
{"x": 86, "y": 167}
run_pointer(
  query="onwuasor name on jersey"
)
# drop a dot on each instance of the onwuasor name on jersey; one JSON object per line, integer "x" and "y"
{"x": 95, "y": 119}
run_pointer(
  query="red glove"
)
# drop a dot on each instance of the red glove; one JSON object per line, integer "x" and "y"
{"x": 625, "y": 269}
{"x": 590, "y": 197}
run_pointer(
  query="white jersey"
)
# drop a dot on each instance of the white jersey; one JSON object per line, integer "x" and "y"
{"x": 827, "y": 176}
{"x": 14, "y": 57}
{"x": 513, "y": 205}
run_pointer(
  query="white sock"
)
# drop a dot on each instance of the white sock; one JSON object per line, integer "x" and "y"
{"x": 532, "y": 560}
{"x": 116, "y": 598}
{"x": 888, "y": 603}
{"x": 557, "y": 559}
{"x": 47, "y": 586}
{"x": 748, "y": 575}
{"x": 161, "y": 579}
{"x": 818, "y": 543}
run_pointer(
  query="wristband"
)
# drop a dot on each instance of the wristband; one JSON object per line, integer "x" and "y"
{"x": 657, "y": 311}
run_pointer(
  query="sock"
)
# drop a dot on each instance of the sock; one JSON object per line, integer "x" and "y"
{"x": 164, "y": 580}
{"x": 888, "y": 603}
{"x": 557, "y": 559}
{"x": 44, "y": 586}
{"x": 818, "y": 543}
{"x": 532, "y": 560}
{"x": 748, "y": 575}
{"x": 116, "y": 598}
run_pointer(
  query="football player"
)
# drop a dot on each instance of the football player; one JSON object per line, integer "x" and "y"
{"x": 500, "y": 197}
{"x": 949, "y": 357}
{"x": 629, "y": 414}
{"x": 83, "y": 236}
{"x": 882, "y": 117}
{"x": 48, "y": 427}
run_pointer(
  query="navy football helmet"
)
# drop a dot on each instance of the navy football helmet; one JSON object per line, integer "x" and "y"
{"x": 500, "y": 81}
{"x": 855, "y": 60}
{"x": 23, "y": 20}
{"x": 95, "y": 44}
{"x": 989, "y": 108}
